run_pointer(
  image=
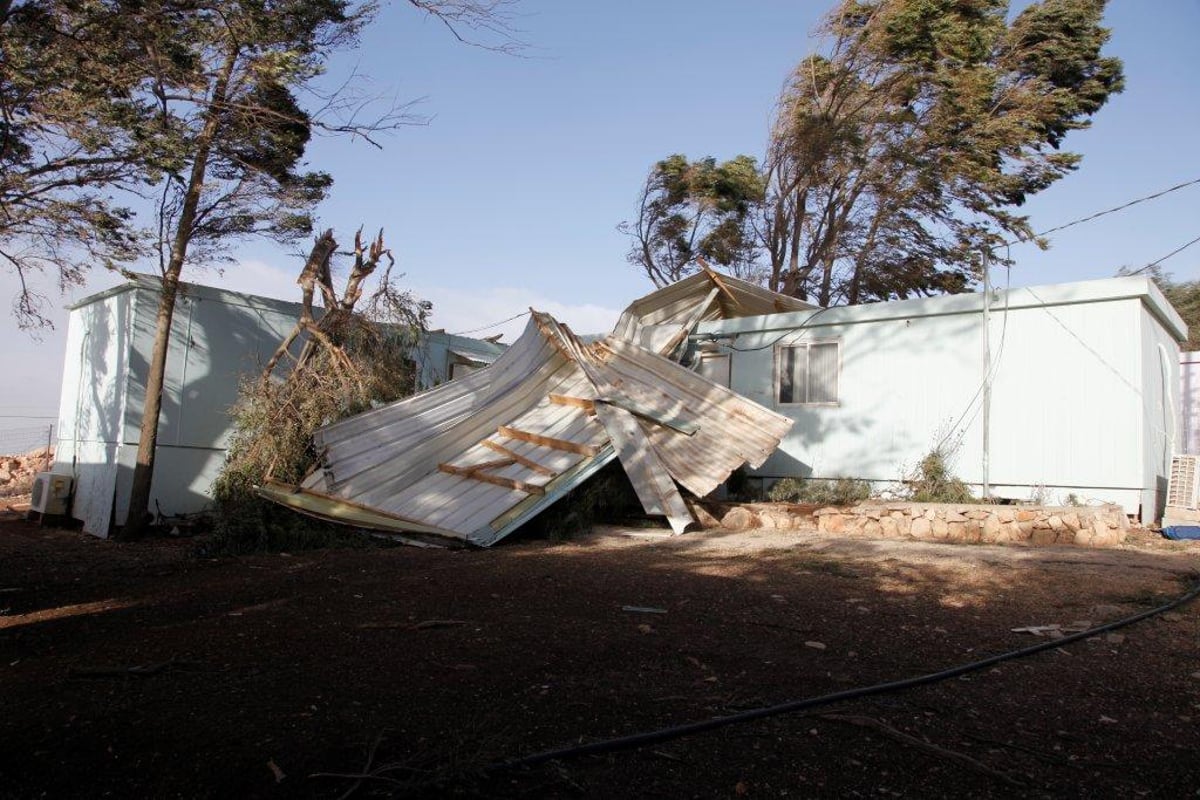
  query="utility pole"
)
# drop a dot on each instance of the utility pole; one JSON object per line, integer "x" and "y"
{"x": 987, "y": 370}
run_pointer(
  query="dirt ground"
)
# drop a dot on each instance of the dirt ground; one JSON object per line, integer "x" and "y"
{"x": 287, "y": 675}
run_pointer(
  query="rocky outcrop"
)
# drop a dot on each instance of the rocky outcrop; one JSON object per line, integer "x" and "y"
{"x": 17, "y": 472}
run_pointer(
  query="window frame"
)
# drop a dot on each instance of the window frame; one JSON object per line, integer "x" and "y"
{"x": 807, "y": 345}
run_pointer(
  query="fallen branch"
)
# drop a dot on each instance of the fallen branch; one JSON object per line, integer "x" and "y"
{"x": 426, "y": 625}
{"x": 137, "y": 671}
{"x": 921, "y": 744}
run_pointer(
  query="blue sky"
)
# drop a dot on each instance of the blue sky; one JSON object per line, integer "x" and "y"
{"x": 511, "y": 194}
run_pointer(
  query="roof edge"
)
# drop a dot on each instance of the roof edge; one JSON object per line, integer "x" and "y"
{"x": 1129, "y": 287}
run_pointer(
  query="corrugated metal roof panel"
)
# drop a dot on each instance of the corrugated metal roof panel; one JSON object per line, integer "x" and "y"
{"x": 476, "y": 458}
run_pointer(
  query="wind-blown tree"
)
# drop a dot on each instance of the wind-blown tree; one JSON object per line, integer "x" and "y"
{"x": 903, "y": 152}
{"x": 226, "y": 75}
{"x": 898, "y": 153}
{"x": 74, "y": 128}
{"x": 194, "y": 103}
{"x": 691, "y": 211}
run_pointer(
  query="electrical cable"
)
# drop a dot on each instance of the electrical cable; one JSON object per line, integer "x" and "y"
{"x": 792, "y": 332}
{"x": 666, "y": 734}
{"x": 493, "y": 325}
{"x": 1108, "y": 211}
{"x": 1174, "y": 252}
{"x": 991, "y": 373}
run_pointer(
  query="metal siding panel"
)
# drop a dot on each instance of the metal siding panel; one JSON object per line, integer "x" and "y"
{"x": 906, "y": 381}
{"x": 226, "y": 342}
{"x": 1189, "y": 400}
{"x": 1066, "y": 389}
{"x": 1162, "y": 429}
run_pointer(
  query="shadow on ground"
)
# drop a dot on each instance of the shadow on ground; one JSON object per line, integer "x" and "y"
{"x": 257, "y": 673}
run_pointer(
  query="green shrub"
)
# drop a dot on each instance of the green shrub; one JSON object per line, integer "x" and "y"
{"x": 933, "y": 481}
{"x": 832, "y": 492}
{"x": 254, "y": 525}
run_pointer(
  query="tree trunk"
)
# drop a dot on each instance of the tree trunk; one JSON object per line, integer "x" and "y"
{"x": 143, "y": 471}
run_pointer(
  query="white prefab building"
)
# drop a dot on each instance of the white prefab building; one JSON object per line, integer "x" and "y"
{"x": 1080, "y": 396}
{"x": 217, "y": 336}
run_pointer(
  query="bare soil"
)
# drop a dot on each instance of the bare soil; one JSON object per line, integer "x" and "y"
{"x": 142, "y": 670}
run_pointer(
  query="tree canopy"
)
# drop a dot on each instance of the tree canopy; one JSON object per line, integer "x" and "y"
{"x": 906, "y": 147}
{"x": 74, "y": 130}
{"x": 694, "y": 210}
{"x": 191, "y": 108}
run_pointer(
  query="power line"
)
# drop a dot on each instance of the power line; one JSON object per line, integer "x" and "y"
{"x": 1112, "y": 210}
{"x": 1174, "y": 252}
{"x": 493, "y": 325}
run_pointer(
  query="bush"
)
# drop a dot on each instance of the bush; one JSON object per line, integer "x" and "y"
{"x": 254, "y": 525}
{"x": 833, "y": 492}
{"x": 933, "y": 482}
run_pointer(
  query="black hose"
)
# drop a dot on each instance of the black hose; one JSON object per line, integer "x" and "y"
{"x": 665, "y": 734}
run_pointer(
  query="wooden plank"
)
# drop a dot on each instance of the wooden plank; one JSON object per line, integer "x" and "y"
{"x": 558, "y": 486}
{"x": 717, "y": 279}
{"x": 487, "y": 477}
{"x": 528, "y": 463}
{"x": 495, "y": 463}
{"x": 547, "y": 441}
{"x": 689, "y": 324}
{"x": 578, "y": 402}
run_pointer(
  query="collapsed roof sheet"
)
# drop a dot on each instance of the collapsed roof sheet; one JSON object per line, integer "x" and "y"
{"x": 472, "y": 460}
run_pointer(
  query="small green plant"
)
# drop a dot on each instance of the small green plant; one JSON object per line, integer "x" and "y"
{"x": 933, "y": 481}
{"x": 831, "y": 492}
{"x": 1073, "y": 499}
{"x": 260, "y": 526}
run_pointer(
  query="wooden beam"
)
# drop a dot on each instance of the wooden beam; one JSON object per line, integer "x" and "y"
{"x": 528, "y": 463}
{"x": 715, "y": 278}
{"x": 547, "y": 441}
{"x": 498, "y": 463}
{"x": 578, "y": 402}
{"x": 487, "y": 477}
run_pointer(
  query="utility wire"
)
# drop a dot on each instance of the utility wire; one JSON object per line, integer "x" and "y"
{"x": 1174, "y": 252}
{"x": 1112, "y": 210}
{"x": 493, "y": 325}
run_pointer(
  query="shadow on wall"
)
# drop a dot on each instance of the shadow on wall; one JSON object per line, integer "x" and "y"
{"x": 902, "y": 385}
{"x": 213, "y": 344}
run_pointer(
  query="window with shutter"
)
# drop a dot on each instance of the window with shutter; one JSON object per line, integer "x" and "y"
{"x": 808, "y": 373}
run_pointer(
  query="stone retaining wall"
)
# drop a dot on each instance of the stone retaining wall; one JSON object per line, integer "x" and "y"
{"x": 1095, "y": 526}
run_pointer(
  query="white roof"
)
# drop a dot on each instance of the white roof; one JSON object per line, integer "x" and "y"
{"x": 1124, "y": 288}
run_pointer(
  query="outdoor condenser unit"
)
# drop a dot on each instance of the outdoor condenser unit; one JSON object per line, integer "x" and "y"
{"x": 1183, "y": 492}
{"x": 50, "y": 493}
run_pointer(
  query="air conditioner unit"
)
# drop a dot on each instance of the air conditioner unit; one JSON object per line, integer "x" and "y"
{"x": 1183, "y": 492}
{"x": 50, "y": 493}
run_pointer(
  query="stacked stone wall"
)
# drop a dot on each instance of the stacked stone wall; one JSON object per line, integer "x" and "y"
{"x": 1094, "y": 526}
{"x": 1091, "y": 526}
